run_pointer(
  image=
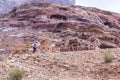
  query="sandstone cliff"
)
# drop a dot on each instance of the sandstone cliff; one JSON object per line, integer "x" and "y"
{"x": 74, "y": 27}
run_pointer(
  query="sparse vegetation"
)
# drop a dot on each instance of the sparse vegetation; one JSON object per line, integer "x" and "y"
{"x": 108, "y": 58}
{"x": 2, "y": 57}
{"x": 17, "y": 74}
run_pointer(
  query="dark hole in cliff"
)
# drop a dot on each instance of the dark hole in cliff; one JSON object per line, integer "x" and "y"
{"x": 58, "y": 16}
{"x": 104, "y": 46}
{"x": 64, "y": 8}
{"x": 83, "y": 20}
{"x": 106, "y": 23}
{"x": 83, "y": 36}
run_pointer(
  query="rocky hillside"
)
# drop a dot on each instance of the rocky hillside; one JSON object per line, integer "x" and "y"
{"x": 71, "y": 42}
{"x": 69, "y": 28}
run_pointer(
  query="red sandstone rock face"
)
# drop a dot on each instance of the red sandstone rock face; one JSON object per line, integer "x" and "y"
{"x": 83, "y": 22}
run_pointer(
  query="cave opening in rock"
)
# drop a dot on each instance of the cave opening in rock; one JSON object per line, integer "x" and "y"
{"x": 106, "y": 23}
{"x": 58, "y": 16}
{"x": 104, "y": 46}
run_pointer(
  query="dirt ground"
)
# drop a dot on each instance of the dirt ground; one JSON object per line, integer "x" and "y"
{"x": 82, "y": 65}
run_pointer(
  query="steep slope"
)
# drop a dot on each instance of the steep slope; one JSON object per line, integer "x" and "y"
{"x": 71, "y": 28}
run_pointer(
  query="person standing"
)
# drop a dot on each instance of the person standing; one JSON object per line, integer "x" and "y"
{"x": 34, "y": 47}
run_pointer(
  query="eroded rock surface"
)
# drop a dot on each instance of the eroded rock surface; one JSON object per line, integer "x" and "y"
{"x": 87, "y": 28}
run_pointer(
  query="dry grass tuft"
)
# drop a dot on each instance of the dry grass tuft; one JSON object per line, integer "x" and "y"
{"x": 2, "y": 57}
{"x": 108, "y": 58}
{"x": 16, "y": 74}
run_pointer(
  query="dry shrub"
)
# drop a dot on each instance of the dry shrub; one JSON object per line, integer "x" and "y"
{"x": 108, "y": 58}
{"x": 2, "y": 57}
{"x": 17, "y": 74}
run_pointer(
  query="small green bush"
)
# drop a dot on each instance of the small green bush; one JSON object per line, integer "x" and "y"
{"x": 108, "y": 57}
{"x": 17, "y": 74}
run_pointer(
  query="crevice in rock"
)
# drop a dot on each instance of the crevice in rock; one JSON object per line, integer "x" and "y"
{"x": 58, "y": 16}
